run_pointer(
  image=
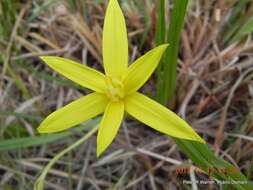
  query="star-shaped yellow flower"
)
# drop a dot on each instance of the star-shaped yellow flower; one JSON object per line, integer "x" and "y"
{"x": 116, "y": 91}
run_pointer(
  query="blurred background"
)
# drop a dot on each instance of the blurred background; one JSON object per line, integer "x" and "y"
{"x": 214, "y": 92}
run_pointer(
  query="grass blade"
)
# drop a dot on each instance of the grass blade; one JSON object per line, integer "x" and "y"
{"x": 241, "y": 16}
{"x": 205, "y": 159}
{"x": 246, "y": 29}
{"x": 25, "y": 142}
{"x": 160, "y": 39}
{"x": 7, "y": 18}
{"x": 161, "y": 25}
{"x": 167, "y": 76}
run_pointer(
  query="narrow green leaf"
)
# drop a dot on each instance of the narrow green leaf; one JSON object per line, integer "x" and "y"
{"x": 7, "y": 17}
{"x": 166, "y": 83}
{"x": 25, "y": 142}
{"x": 246, "y": 29}
{"x": 235, "y": 20}
{"x": 160, "y": 25}
{"x": 205, "y": 159}
{"x": 160, "y": 39}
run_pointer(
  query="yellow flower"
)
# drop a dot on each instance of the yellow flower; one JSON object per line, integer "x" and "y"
{"x": 116, "y": 91}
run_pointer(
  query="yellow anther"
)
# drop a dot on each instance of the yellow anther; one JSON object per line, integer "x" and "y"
{"x": 115, "y": 89}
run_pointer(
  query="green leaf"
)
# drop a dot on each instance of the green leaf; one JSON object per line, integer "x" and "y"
{"x": 161, "y": 25}
{"x": 25, "y": 142}
{"x": 246, "y": 29}
{"x": 166, "y": 82}
{"x": 235, "y": 21}
{"x": 205, "y": 159}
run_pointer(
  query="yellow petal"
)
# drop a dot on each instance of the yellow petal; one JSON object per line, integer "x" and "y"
{"x": 81, "y": 74}
{"x": 159, "y": 118}
{"x": 139, "y": 72}
{"x": 74, "y": 113}
{"x": 115, "y": 44}
{"x": 109, "y": 125}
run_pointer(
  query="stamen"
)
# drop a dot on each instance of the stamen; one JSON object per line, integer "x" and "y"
{"x": 115, "y": 89}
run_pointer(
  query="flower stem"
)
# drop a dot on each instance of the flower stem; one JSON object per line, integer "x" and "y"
{"x": 39, "y": 184}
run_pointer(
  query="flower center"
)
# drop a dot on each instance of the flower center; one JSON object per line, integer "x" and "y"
{"x": 115, "y": 89}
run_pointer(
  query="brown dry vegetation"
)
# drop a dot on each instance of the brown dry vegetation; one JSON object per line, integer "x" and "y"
{"x": 214, "y": 94}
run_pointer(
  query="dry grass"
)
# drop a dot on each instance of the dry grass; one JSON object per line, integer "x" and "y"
{"x": 214, "y": 93}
